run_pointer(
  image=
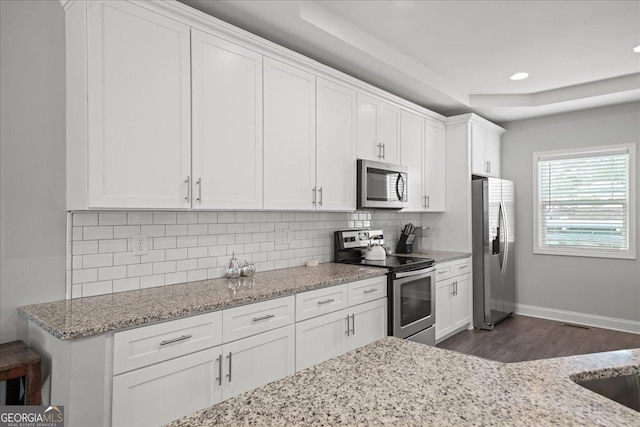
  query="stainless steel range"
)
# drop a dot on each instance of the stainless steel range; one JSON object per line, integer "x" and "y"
{"x": 410, "y": 283}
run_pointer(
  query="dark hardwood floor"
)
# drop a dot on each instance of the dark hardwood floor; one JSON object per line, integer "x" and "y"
{"x": 523, "y": 338}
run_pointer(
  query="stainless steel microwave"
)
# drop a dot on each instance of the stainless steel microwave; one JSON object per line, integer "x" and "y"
{"x": 381, "y": 185}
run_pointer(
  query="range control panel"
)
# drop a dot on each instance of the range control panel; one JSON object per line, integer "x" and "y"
{"x": 351, "y": 239}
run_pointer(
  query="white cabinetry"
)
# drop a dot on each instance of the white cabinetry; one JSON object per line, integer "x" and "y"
{"x": 378, "y": 130}
{"x": 453, "y": 297}
{"x": 336, "y": 146}
{"x": 338, "y": 331}
{"x": 227, "y": 124}
{"x": 485, "y": 151}
{"x": 289, "y": 137}
{"x": 423, "y": 152}
{"x": 136, "y": 153}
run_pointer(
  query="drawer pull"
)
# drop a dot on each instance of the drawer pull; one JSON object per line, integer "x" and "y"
{"x": 182, "y": 338}
{"x": 443, "y": 271}
{"x": 368, "y": 291}
{"x": 268, "y": 316}
{"x": 327, "y": 301}
{"x": 463, "y": 266}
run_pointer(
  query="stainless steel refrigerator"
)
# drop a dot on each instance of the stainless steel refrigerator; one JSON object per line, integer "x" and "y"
{"x": 493, "y": 230}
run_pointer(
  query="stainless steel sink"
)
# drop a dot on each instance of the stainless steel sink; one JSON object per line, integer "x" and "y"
{"x": 624, "y": 389}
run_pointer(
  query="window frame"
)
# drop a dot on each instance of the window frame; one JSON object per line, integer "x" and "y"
{"x": 586, "y": 252}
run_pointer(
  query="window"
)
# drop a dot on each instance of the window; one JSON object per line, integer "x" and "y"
{"x": 584, "y": 202}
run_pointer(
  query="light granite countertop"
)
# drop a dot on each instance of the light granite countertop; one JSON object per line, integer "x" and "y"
{"x": 397, "y": 382}
{"x": 82, "y": 317}
{"x": 438, "y": 256}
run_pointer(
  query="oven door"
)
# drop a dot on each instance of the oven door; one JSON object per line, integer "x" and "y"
{"x": 414, "y": 303}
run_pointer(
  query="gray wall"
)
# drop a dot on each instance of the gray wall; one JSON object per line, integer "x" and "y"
{"x": 596, "y": 286}
{"x": 32, "y": 157}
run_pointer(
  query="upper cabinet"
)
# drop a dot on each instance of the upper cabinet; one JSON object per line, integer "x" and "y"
{"x": 423, "y": 152}
{"x": 485, "y": 151}
{"x": 138, "y": 109}
{"x": 166, "y": 110}
{"x": 289, "y": 137}
{"x": 335, "y": 146}
{"x": 378, "y": 130}
{"x": 227, "y": 124}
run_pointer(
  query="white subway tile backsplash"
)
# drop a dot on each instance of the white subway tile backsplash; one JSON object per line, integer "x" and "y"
{"x": 112, "y": 218}
{"x": 110, "y": 273}
{"x": 136, "y": 270}
{"x": 174, "y": 254}
{"x": 97, "y": 288}
{"x": 176, "y": 230}
{"x": 164, "y": 218}
{"x": 139, "y": 218}
{"x": 115, "y": 245}
{"x": 97, "y": 260}
{"x": 96, "y": 233}
{"x": 81, "y": 219}
{"x": 198, "y": 245}
{"x": 174, "y": 278}
{"x": 130, "y": 284}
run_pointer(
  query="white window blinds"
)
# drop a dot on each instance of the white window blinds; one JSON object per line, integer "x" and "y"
{"x": 584, "y": 201}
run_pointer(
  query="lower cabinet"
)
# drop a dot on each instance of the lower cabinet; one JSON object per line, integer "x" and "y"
{"x": 164, "y": 392}
{"x": 332, "y": 334}
{"x": 453, "y": 296}
{"x": 161, "y": 393}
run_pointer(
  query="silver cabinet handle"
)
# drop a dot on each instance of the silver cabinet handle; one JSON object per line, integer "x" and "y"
{"x": 229, "y": 375}
{"x": 268, "y": 316}
{"x": 442, "y": 271}
{"x": 171, "y": 341}
{"x": 199, "y": 184}
{"x": 380, "y": 151}
{"x": 315, "y": 196}
{"x": 368, "y": 291}
{"x": 348, "y": 326}
{"x": 464, "y": 266}
{"x": 327, "y": 301}
{"x": 219, "y": 360}
{"x": 489, "y": 166}
{"x": 187, "y": 181}
{"x": 320, "y": 203}
{"x": 426, "y": 199}
{"x": 384, "y": 151}
{"x": 353, "y": 324}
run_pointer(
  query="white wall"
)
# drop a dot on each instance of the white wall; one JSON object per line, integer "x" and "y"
{"x": 594, "y": 286}
{"x": 32, "y": 157}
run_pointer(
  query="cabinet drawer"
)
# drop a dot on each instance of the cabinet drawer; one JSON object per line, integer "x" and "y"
{"x": 453, "y": 268}
{"x": 367, "y": 290}
{"x": 320, "y": 301}
{"x": 144, "y": 346}
{"x": 251, "y": 319}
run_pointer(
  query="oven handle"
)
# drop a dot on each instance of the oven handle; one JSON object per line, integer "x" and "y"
{"x": 424, "y": 271}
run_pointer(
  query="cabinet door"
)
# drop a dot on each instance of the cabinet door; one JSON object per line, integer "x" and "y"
{"x": 434, "y": 167}
{"x": 321, "y": 338}
{"x": 227, "y": 124}
{"x": 460, "y": 314}
{"x": 492, "y": 153}
{"x": 336, "y": 147}
{"x": 289, "y": 137}
{"x": 258, "y": 360}
{"x": 369, "y": 147}
{"x": 138, "y": 108}
{"x": 368, "y": 324}
{"x": 412, "y": 155}
{"x": 443, "y": 310}
{"x": 389, "y": 132}
{"x": 161, "y": 393}
{"x": 478, "y": 165}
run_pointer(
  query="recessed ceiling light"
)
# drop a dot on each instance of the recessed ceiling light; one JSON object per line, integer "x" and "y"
{"x": 636, "y": 49}
{"x": 519, "y": 76}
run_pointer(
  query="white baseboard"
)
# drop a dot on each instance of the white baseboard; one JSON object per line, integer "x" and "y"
{"x": 579, "y": 318}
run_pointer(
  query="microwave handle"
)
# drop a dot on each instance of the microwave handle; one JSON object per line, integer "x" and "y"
{"x": 398, "y": 181}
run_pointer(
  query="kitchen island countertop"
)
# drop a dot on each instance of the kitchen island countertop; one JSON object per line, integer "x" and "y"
{"x": 396, "y": 382}
{"x": 82, "y": 317}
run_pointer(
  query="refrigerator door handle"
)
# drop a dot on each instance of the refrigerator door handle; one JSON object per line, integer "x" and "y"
{"x": 505, "y": 255}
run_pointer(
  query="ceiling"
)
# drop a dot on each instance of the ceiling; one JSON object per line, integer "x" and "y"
{"x": 456, "y": 56}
